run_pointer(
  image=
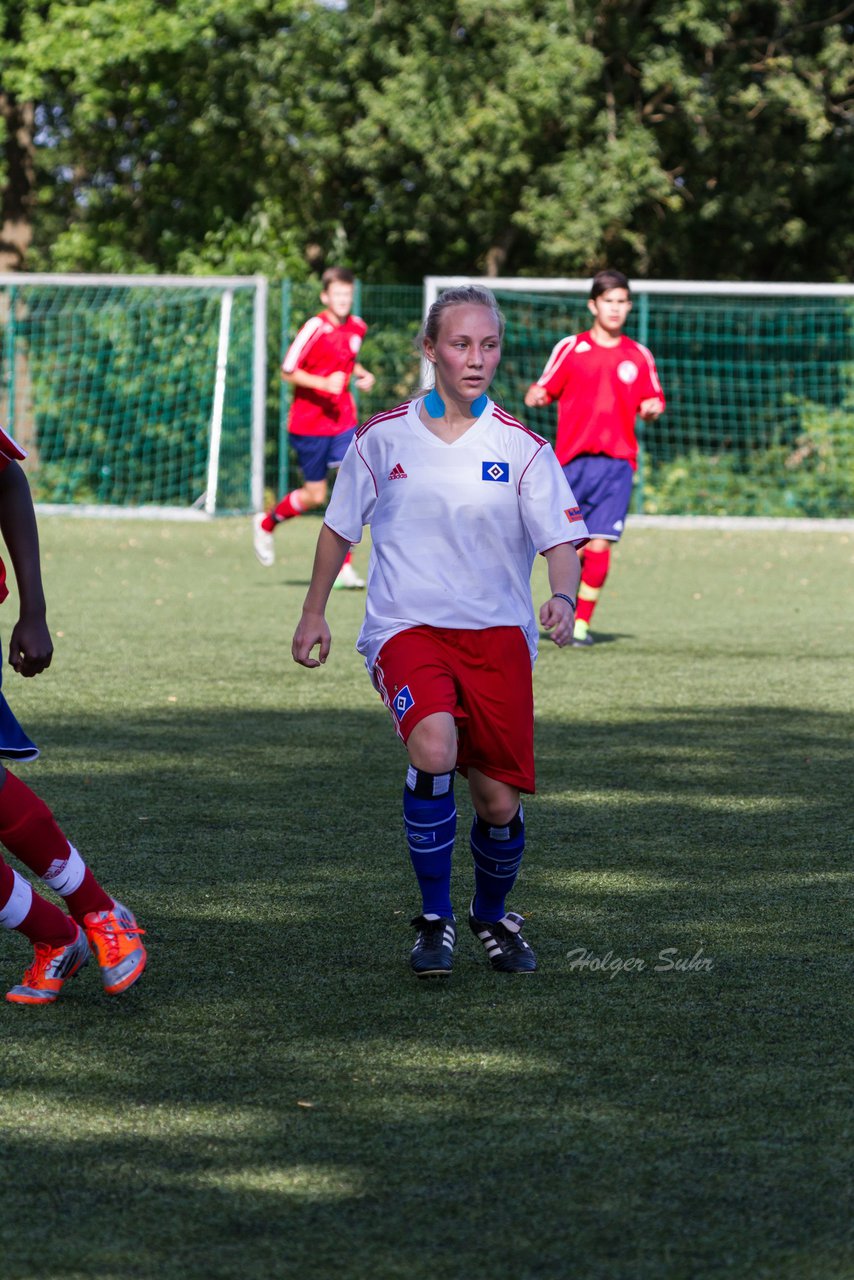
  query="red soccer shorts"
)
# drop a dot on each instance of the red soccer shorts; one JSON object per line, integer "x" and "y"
{"x": 482, "y": 678}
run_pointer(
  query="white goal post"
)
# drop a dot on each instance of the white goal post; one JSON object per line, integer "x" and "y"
{"x": 51, "y": 324}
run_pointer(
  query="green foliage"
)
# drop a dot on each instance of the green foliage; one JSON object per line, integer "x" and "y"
{"x": 812, "y": 475}
{"x": 682, "y": 138}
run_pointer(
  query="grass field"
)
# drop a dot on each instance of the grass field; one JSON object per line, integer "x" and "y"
{"x": 280, "y": 1098}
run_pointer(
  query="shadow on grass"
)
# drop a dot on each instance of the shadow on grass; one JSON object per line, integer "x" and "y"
{"x": 281, "y": 1097}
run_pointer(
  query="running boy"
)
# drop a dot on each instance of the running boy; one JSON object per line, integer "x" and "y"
{"x": 95, "y": 922}
{"x": 319, "y": 364}
{"x": 602, "y": 381}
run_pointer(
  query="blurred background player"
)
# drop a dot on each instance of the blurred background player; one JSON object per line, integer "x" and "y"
{"x": 319, "y": 364}
{"x": 459, "y": 497}
{"x": 602, "y": 382}
{"x": 95, "y": 922}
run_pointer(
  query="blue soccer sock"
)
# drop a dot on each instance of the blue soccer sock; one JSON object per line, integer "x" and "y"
{"x": 497, "y": 853}
{"x": 430, "y": 819}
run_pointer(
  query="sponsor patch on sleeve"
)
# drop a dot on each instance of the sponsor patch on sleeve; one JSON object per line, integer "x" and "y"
{"x": 573, "y": 514}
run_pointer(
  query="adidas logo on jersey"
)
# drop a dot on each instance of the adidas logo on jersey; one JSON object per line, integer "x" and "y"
{"x": 582, "y": 347}
{"x": 397, "y": 473}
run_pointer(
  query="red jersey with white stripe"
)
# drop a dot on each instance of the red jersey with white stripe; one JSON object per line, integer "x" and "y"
{"x": 599, "y": 391}
{"x": 454, "y": 526}
{"x": 10, "y": 451}
{"x": 324, "y": 347}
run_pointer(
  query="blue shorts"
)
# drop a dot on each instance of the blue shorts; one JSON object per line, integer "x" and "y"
{"x": 14, "y": 743}
{"x": 316, "y": 455}
{"x": 603, "y": 489}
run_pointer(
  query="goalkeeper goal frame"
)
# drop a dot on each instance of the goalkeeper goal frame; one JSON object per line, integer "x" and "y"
{"x": 206, "y": 503}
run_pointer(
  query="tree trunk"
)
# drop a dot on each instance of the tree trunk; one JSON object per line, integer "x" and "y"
{"x": 16, "y": 228}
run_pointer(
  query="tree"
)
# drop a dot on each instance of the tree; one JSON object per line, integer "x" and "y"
{"x": 684, "y": 138}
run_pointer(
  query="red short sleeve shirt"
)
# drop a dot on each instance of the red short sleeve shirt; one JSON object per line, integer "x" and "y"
{"x": 323, "y": 347}
{"x": 599, "y": 391}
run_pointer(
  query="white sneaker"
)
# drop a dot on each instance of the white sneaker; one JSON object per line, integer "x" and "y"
{"x": 263, "y": 542}
{"x": 348, "y": 580}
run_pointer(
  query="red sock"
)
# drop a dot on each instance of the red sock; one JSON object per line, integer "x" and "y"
{"x": 348, "y": 559}
{"x": 28, "y": 829}
{"x": 594, "y": 571}
{"x": 289, "y": 507}
{"x": 43, "y": 922}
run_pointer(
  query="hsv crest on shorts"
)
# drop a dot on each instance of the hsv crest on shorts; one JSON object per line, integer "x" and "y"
{"x": 573, "y": 514}
{"x": 497, "y": 471}
{"x": 397, "y": 473}
{"x": 402, "y": 701}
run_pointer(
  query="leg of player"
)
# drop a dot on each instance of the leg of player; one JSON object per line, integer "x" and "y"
{"x": 595, "y": 563}
{"x": 60, "y": 946}
{"x": 497, "y": 845}
{"x": 310, "y": 494}
{"x": 430, "y": 819}
{"x": 29, "y": 831}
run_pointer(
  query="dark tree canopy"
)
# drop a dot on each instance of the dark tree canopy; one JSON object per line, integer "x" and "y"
{"x": 678, "y": 138}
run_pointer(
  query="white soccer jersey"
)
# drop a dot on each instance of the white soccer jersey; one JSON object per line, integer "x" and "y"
{"x": 454, "y": 527}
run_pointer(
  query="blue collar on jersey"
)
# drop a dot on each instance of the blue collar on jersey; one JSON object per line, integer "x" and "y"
{"x": 435, "y": 405}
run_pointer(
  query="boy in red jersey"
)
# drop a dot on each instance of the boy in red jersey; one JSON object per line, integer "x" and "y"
{"x": 319, "y": 364}
{"x": 602, "y": 382}
{"x": 94, "y": 922}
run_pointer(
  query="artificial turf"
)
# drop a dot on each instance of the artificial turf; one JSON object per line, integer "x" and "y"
{"x": 279, "y": 1097}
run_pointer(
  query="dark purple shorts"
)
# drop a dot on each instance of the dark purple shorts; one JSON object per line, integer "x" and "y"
{"x": 318, "y": 454}
{"x": 603, "y": 489}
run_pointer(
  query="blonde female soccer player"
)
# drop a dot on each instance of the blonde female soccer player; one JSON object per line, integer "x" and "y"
{"x": 459, "y": 497}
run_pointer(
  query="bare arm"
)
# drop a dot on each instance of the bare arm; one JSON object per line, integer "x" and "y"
{"x": 331, "y": 386}
{"x": 312, "y": 628}
{"x": 651, "y": 409}
{"x": 30, "y": 647}
{"x": 536, "y": 397}
{"x": 364, "y": 379}
{"x": 557, "y": 615}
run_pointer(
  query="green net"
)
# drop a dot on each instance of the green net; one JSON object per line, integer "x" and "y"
{"x": 760, "y": 390}
{"x": 760, "y": 396}
{"x": 111, "y": 390}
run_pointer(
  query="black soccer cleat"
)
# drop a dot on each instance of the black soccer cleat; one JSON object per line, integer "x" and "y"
{"x": 507, "y": 950}
{"x": 433, "y": 953}
{"x": 582, "y": 642}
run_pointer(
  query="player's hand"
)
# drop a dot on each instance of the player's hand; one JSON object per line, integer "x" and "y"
{"x": 651, "y": 408}
{"x": 30, "y": 648}
{"x": 536, "y": 397}
{"x": 336, "y": 382}
{"x": 311, "y": 630}
{"x": 557, "y": 617}
{"x": 365, "y": 381}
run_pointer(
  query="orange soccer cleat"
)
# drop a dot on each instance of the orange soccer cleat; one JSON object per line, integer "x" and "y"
{"x": 51, "y": 967}
{"x": 114, "y": 936}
